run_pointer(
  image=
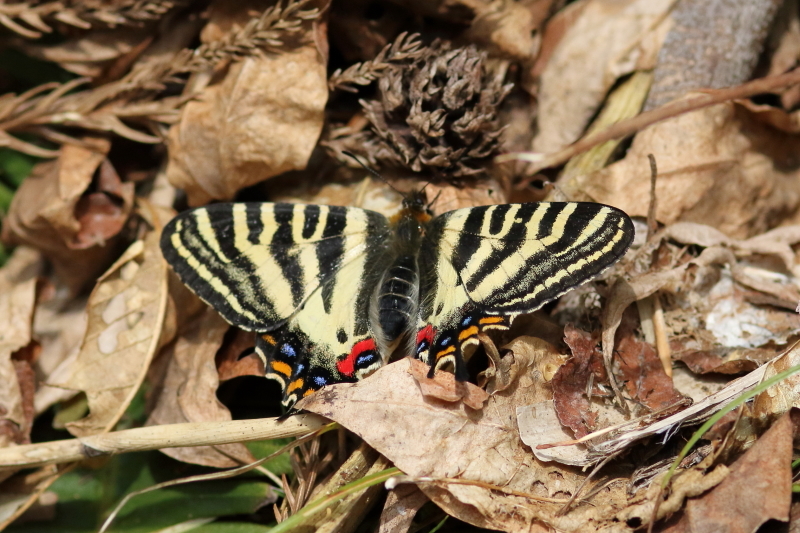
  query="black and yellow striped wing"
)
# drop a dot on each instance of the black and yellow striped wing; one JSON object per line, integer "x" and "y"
{"x": 297, "y": 275}
{"x": 258, "y": 263}
{"x": 489, "y": 264}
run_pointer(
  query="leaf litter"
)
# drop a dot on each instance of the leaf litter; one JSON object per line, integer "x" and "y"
{"x": 573, "y": 417}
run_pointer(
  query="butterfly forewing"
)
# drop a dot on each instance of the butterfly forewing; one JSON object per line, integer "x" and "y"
{"x": 257, "y": 263}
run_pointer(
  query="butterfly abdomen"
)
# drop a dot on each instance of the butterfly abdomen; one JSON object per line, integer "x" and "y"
{"x": 396, "y": 303}
{"x": 398, "y": 297}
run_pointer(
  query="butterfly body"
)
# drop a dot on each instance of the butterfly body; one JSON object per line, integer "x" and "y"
{"x": 333, "y": 292}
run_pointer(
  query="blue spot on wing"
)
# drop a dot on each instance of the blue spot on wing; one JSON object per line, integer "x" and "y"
{"x": 365, "y": 360}
{"x": 288, "y": 351}
{"x": 319, "y": 381}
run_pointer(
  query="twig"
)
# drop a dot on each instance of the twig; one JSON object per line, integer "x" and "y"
{"x": 627, "y": 127}
{"x": 156, "y": 438}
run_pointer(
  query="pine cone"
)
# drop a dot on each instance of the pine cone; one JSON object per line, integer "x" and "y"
{"x": 437, "y": 114}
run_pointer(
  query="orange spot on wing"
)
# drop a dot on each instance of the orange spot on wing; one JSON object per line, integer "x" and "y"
{"x": 269, "y": 339}
{"x": 447, "y": 351}
{"x": 467, "y": 333}
{"x": 491, "y": 320}
{"x": 282, "y": 368}
{"x": 294, "y": 385}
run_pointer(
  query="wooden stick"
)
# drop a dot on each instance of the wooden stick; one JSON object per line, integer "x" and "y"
{"x": 155, "y": 438}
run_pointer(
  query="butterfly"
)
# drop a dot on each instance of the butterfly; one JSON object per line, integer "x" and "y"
{"x": 332, "y": 292}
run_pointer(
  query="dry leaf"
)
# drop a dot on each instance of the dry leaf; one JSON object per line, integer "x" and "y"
{"x": 506, "y": 29}
{"x": 126, "y": 315}
{"x": 604, "y": 40}
{"x": 758, "y": 488}
{"x": 73, "y": 219}
{"x": 188, "y": 393}
{"x": 430, "y": 438}
{"x": 443, "y": 386}
{"x": 717, "y": 166}
{"x": 89, "y": 54}
{"x": 570, "y": 382}
{"x": 17, "y": 300}
{"x": 263, "y": 119}
{"x": 640, "y": 368}
{"x": 230, "y": 362}
{"x": 400, "y": 508}
{"x": 59, "y": 325}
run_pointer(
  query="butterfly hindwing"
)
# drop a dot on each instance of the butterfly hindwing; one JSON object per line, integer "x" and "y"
{"x": 492, "y": 263}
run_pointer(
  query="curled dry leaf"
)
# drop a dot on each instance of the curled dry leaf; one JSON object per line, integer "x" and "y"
{"x": 443, "y": 386}
{"x": 262, "y": 119}
{"x": 605, "y": 40}
{"x": 231, "y": 363}
{"x": 429, "y": 438}
{"x": 641, "y": 370}
{"x": 126, "y": 316}
{"x": 571, "y": 381}
{"x": 72, "y": 218}
{"x": 758, "y": 488}
{"x": 767, "y": 406}
{"x": 188, "y": 393}
{"x": 717, "y": 166}
{"x": 17, "y": 299}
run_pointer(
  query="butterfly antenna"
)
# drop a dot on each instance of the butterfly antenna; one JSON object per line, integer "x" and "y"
{"x": 355, "y": 158}
{"x": 430, "y": 204}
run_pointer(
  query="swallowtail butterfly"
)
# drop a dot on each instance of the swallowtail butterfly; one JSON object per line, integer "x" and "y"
{"x": 332, "y": 292}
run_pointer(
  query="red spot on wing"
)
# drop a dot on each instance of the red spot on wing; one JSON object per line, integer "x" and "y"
{"x": 425, "y": 334}
{"x": 347, "y": 366}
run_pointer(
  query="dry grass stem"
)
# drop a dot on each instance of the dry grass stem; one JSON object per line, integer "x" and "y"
{"x": 155, "y": 438}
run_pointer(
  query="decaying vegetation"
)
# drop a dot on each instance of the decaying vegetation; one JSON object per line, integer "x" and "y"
{"x": 115, "y": 115}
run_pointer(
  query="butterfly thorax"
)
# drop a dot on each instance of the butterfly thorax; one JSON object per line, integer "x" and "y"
{"x": 393, "y": 314}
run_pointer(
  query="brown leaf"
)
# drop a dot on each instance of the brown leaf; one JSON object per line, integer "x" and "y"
{"x": 506, "y": 30}
{"x": 17, "y": 299}
{"x": 400, "y": 508}
{"x": 126, "y": 316}
{"x": 570, "y": 382}
{"x": 606, "y": 41}
{"x": 709, "y": 361}
{"x": 231, "y": 364}
{"x": 74, "y": 220}
{"x": 717, "y": 166}
{"x": 640, "y": 368}
{"x": 188, "y": 393}
{"x": 261, "y": 120}
{"x": 443, "y": 386}
{"x": 427, "y": 437}
{"x": 758, "y": 488}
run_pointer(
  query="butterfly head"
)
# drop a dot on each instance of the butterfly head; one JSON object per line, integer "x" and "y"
{"x": 415, "y": 204}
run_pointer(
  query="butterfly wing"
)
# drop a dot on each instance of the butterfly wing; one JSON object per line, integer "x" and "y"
{"x": 297, "y": 275}
{"x": 492, "y": 263}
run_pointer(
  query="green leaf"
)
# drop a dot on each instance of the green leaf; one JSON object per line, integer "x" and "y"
{"x": 16, "y": 166}
{"x": 86, "y": 496}
{"x": 231, "y": 527}
{"x": 281, "y": 464}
